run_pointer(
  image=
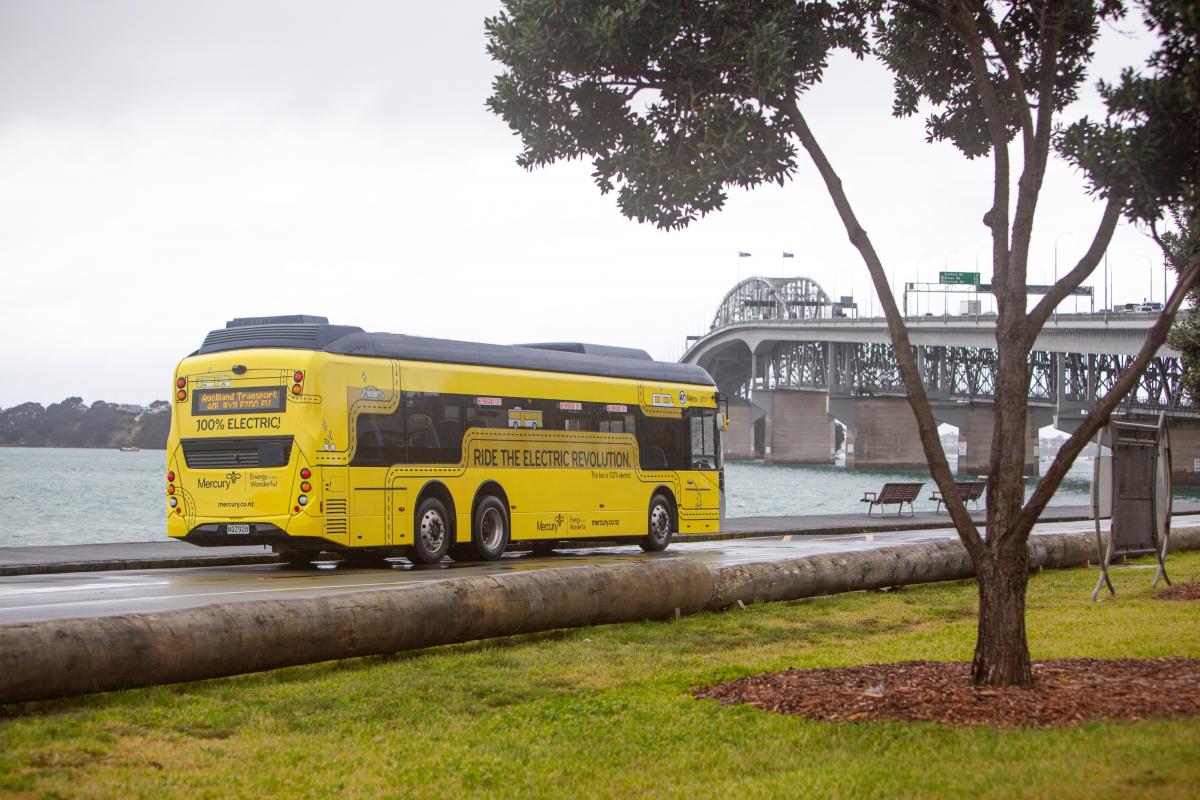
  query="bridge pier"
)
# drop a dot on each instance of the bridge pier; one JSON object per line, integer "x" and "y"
{"x": 799, "y": 430}
{"x": 739, "y": 435}
{"x": 975, "y": 441}
{"x": 881, "y": 432}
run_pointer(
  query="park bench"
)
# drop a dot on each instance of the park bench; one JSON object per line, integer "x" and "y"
{"x": 893, "y": 494}
{"x": 969, "y": 491}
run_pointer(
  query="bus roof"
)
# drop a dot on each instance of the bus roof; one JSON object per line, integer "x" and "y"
{"x": 315, "y": 333}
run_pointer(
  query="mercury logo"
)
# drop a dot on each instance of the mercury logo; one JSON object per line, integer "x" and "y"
{"x": 551, "y": 526}
{"x": 230, "y": 479}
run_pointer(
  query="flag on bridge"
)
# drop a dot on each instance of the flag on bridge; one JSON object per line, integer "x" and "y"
{"x": 788, "y": 255}
{"x": 742, "y": 254}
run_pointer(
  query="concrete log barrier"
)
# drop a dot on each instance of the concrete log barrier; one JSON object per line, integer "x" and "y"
{"x": 60, "y": 658}
{"x": 69, "y": 657}
{"x": 833, "y": 573}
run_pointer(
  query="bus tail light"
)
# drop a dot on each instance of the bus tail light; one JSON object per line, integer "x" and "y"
{"x": 297, "y": 388}
{"x": 306, "y": 487}
{"x": 298, "y": 377}
{"x": 170, "y": 488}
{"x": 181, "y": 395}
{"x": 305, "y": 473}
{"x": 180, "y": 383}
{"x": 170, "y": 477}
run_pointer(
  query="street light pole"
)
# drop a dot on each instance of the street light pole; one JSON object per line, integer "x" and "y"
{"x": 917, "y": 290}
{"x": 1056, "y": 238}
{"x": 741, "y": 254}
{"x": 1164, "y": 282}
{"x": 1106, "y": 301}
{"x": 1150, "y": 274}
{"x": 945, "y": 291}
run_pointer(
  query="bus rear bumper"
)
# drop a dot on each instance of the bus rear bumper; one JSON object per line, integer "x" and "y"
{"x": 217, "y": 534}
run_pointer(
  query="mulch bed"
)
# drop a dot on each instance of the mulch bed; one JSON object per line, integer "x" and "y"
{"x": 1066, "y": 692}
{"x": 1181, "y": 591}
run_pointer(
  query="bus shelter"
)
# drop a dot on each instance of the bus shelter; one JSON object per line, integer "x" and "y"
{"x": 1131, "y": 486}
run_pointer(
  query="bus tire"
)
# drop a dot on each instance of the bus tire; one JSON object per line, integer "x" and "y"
{"x": 660, "y": 525}
{"x": 431, "y": 532}
{"x": 490, "y": 530}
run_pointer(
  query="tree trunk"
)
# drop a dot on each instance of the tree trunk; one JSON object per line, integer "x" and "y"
{"x": 1001, "y": 648}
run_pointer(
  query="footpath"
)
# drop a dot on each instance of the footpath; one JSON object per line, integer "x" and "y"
{"x": 172, "y": 554}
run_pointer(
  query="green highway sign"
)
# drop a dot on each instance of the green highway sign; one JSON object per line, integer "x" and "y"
{"x": 959, "y": 278}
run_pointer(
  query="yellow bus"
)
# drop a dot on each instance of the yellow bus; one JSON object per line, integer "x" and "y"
{"x": 308, "y": 437}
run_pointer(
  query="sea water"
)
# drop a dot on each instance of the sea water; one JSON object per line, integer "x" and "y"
{"x": 82, "y": 496}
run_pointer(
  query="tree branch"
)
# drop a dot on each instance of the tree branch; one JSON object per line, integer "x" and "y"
{"x": 1038, "y": 150}
{"x": 1086, "y": 266}
{"x": 915, "y": 388}
{"x": 997, "y": 217}
{"x": 1012, "y": 69}
{"x": 1100, "y": 416}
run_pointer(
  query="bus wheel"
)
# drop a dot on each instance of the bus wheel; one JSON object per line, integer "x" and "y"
{"x": 431, "y": 535}
{"x": 489, "y": 530}
{"x": 659, "y": 525}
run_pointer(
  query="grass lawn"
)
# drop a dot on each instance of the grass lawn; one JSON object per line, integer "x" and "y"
{"x": 608, "y": 712}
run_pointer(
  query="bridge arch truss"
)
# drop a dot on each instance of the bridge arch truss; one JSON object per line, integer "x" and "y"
{"x": 759, "y": 298}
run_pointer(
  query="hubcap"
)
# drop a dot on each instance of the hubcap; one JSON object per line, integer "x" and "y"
{"x": 433, "y": 531}
{"x": 660, "y": 523}
{"x": 491, "y": 529}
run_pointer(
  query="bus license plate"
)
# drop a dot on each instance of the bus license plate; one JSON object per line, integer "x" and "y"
{"x": 238, "y": 530}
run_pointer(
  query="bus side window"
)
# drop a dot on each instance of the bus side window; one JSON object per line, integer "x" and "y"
{"x": 616, "y": 422}
{"x": 661, "y": 443}
{"x": 380, "y": 439}
{"x": 425, "y": 445}
{"x": 703, "y": 453}
{"x": 485, "y": 417}
{"x": 450, "y": 428}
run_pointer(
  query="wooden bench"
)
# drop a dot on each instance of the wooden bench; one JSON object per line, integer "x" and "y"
{"x": 896, "y": 494}
{"x": 969, "y": 491}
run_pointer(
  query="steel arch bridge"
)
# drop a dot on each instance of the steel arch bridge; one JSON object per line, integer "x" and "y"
{"x": 760, "y": 298}
{"x": 782, "y": 333}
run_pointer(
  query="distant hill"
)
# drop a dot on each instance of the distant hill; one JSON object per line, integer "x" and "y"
{"x": 73, "y": 423}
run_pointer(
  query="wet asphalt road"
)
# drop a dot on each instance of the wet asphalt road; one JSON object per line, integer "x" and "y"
{"x": 33, "y": 598}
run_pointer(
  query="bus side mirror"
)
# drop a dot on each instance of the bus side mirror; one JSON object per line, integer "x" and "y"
{"x": 722, "y": 422}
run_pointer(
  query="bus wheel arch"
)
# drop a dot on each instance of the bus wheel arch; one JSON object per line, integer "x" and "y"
{"x": 486, "y": 488}
{"x": 662, "y": 520}
{"x": 434, "y": 509}
{"x": 491, "y": 521}
{"x": 669, "y": 494}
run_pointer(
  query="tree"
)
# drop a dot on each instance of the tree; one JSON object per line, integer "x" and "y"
{"x": 1150, "y": 142}
{"x": 675, "y": 102}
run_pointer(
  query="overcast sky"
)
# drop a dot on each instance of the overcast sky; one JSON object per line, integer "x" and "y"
{"x": 165, "y": 166}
